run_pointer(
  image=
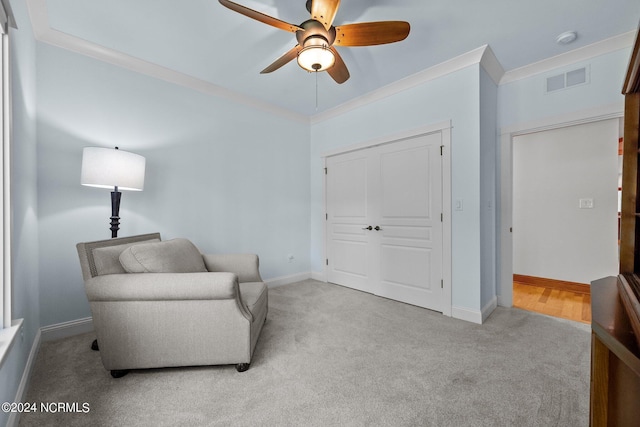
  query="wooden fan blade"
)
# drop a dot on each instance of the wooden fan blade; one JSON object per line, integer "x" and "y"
{"x": 371, "y": 33}
{"x": 259, "y": 16}
{"x": 324, "y": 11}
{"x": 339, "y": 71}
{"x": 284, "y": 59}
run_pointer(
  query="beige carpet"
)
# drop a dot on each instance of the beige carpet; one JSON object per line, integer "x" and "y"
{"x": 331, "y": 356}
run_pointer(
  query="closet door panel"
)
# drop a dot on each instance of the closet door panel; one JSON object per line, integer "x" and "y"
{"x": 409, "y": 217}
{"x": 348, "y": 243}
{"x": 384, "y": 226}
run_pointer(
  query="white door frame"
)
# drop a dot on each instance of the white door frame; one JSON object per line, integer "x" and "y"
{"x": 505, "y": 192}
{"x": 445, "y": 129}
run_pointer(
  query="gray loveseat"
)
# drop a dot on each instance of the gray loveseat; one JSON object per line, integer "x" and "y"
{"x": 162, "y": 304}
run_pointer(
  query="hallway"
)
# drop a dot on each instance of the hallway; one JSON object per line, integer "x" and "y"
{"x": 566, "y": 304}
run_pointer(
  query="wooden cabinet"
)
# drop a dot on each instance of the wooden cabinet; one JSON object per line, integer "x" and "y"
{"x": 630, "y": 216}
{"x": 615, "y": 325}
{"x": 615, "y": 359}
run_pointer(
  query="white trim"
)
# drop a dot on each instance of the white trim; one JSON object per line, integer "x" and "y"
{"x": 14, "y": 417}
{"x": 286, "y": 280}
{"x": 466, "y": 314}
{"x": 444, "y": 128}
{"x": 505, "y": 257}
{"x": 411, "y": 133}
{"x": 4, "y": 19}
{"x": 44, "y": 33}
{"x": 447, "y": 253}
{"x": 7, "y": 338}
{"x": 5, "y": 274}
{"x": 482, "y": 55}
{"x": 488, "y": 308}
{"x": 320, "y": 276}
{"x": 491, "y": 65}
{"x": 66, "y": 329}
{"x": 622, "y": 41}
{"x": 604, "y": 112}
{"x": 455, "y": 64}
{"x": 325, "y": 255}
{"x": 505, "y": 252}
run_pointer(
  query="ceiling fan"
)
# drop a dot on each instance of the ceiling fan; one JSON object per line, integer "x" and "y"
{"x": 317, "y": 37}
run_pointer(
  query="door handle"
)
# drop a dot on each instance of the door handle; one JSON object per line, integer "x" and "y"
{"x": 377, "y": 228}
{"x": 368, "y": 228}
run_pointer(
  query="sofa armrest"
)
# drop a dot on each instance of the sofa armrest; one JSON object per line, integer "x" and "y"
{"x": 162, "y": 286}
{"x": 245, "y": 266}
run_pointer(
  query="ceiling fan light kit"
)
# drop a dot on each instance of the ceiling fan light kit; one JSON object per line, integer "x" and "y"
{"x": 316, "y": 55}
{"x": 317, "y": 36}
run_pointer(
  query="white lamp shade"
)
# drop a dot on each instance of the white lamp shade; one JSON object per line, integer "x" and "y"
{"x": 109, "y": 168}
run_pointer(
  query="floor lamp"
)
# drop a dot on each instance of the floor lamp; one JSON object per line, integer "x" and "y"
{"x": 116, "y": 169}
{"x": 112, "y": 168}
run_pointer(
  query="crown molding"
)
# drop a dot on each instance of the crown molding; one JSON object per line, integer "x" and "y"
{"x": 45, "y": 34}
{"x": 622, "y": 41}
{"x": 491, "y": 65}
{"x": 604, "y": 112}
{"x": 483, "y": 55}
{"x": 455, "y": 64}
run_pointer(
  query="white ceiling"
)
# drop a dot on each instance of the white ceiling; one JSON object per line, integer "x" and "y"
{"x": 204, "y": 40}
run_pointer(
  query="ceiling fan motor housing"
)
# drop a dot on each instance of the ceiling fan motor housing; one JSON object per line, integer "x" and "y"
{"x": 315, "y": 28}
{"x": 315, "y": 40}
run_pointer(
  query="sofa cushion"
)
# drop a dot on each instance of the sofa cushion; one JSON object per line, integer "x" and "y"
{"x": 169, "y": 256}
{"x": 107, "y": 259}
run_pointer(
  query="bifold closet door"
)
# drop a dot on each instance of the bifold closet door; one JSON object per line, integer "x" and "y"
{"x": 396, "y": 189}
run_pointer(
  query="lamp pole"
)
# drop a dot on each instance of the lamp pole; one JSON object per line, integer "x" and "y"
{"x": 115, "y": 211}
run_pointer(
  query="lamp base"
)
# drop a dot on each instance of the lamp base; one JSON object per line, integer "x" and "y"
{"x": 115, "y": 212}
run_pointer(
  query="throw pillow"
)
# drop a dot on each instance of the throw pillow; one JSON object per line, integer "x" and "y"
{"x": 107, "y": 259}
{"x": 169, "y": 256}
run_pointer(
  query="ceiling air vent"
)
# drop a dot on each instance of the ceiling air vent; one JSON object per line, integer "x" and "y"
{"x": 566, "y": 80}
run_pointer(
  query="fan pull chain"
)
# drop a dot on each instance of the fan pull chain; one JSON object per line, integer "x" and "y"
{"x": 316, "y": 91}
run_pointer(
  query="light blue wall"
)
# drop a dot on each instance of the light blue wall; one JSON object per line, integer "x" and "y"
{"x": 524, "y": 100}
{"x": 24, "y": 204}
{"x": 452, "y": 97}
{"x": 228, "y": 177}
{"x": 488, "y": 144}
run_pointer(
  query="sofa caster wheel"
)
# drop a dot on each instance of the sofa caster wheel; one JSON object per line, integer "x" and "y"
{"x": 241, "y": 367}
{"x": 119, "y": 373}
{"x": 94, "y": 345}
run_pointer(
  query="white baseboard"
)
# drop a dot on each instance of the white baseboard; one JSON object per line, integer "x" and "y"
{"x": 502, "y": 302}
{"x": 489, "y": 307}
{"x": 285, "y": 280}
{"x": 66, "y": 329}
{"x": 319, "y": 276}
{"x": 46, "y": 333}
{"x": 463, "y": 313}
{"x": 475, "y": 316}
{"x": 14, "y": 417}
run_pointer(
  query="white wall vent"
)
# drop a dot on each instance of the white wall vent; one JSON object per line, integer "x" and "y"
{"x": 566, "y": 80}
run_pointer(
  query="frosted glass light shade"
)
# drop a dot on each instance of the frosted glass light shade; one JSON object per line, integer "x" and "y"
{"x": 109, "y": 168}
{"x": 316, "y": 55}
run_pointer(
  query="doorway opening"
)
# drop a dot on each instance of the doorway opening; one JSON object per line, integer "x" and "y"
{"x": 564, "y": 215}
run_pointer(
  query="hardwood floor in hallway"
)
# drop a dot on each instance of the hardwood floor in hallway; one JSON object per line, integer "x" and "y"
{"x": 553, "y": 302}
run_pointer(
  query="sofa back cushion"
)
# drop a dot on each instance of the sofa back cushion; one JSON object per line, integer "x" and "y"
{"x": 169, "y": 256}
{"x": 107, "y": 259}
